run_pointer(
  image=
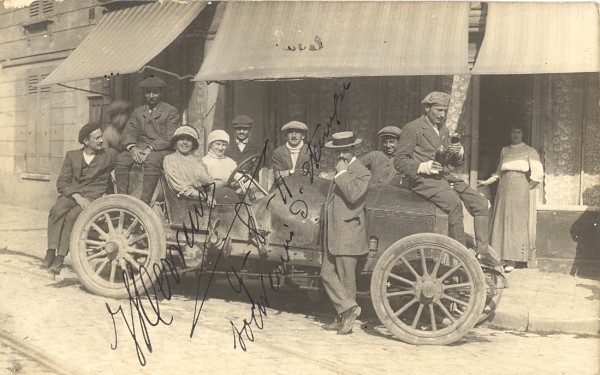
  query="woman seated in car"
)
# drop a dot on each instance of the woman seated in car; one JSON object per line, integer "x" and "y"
{"x": 186, "y": 174}
{"x": 219, "y": 166}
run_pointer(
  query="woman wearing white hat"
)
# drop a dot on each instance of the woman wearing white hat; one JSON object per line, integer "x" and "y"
{"x": 185, "y": 173}
{"x": 219, "y": 166}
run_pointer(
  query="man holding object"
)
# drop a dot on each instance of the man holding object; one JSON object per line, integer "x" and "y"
{"x": 423, "y": 151}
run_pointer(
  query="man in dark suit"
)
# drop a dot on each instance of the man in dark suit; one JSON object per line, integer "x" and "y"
{"x": 147, "y": 138}
{"x": 291, "y": 156}
{"x": 423, "y": 139}
{"x": 84, "y": 177}
{"x": 242, "y": 146}
{"x": 345, "y": 230}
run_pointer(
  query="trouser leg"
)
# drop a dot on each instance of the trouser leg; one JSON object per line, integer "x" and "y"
{"x": 152, "y": 169}
{"x": 65, "y": 236}
{"x": 123, "y": 164}
{"x": 334, "y": 286}
{"x": 346, "y": 270}
{"x": 477, "y": 206}
{"x": 449, "y": 201}
{"x": 56, "y": 219}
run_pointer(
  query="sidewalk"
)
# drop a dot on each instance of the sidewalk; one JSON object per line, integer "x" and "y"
{"x": 535, "y": 302}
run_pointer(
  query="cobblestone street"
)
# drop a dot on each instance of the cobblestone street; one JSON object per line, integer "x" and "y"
{"x": 70, "y": 325}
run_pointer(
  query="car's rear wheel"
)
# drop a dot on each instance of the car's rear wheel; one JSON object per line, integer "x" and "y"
{"x": 428, "y": 289}
{"x": 115, "y": 242}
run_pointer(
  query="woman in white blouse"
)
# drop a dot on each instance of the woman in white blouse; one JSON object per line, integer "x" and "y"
{"x": 519, "y": 171}
{"x": 219, "y": 166}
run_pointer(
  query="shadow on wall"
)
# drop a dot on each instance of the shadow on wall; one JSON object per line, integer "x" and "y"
{"x": 586, "y": 232}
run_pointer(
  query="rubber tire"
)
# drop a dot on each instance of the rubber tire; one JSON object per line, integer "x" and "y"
{"x": 147, "y": 217}
{"x": 459, "y": 251}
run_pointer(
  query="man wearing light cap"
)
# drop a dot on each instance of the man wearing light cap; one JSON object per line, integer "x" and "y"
{"x": 291, "y": 156}
{"x": 242, "y": 146}
{"x": 416, "y": 157}
{"x": 345, "y": 231}
{"x": 147, "y": 138}
{"x": 381, "y": 163}
{"x": 84, "y": 177}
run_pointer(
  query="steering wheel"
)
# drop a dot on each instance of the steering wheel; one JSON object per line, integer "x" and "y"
{"x": 246, "y": 168}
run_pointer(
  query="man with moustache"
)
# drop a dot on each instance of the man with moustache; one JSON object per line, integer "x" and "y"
{"x": 416, "y": 158}
{"x": 290, "y": 157}
{"x": 84, "y": 177}
{"x": 345, "y": 231}
{"x": 242, "y": 147}
{"x": 147, "y": 139}
{"x": 381, "y": 163}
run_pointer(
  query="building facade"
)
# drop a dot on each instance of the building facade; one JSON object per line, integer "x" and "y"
{"x": 501, "y": 67}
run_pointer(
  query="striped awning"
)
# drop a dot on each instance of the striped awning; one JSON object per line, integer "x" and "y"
{"x": 529, "y": 38}
{"x": 323, "y": 39}
{"x": 126, "y": 39}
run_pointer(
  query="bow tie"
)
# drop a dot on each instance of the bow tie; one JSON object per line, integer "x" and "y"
{"x": 245, "y": 141}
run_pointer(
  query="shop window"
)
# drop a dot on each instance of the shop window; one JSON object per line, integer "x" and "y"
{"x": 39, "y": 111}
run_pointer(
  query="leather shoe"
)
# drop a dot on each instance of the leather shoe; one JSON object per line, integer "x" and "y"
{"x": 48, "y": 259}
{"x": 348, "y": 318}
{"x": 489, "y": 259}
{"x": 335, "y": 325}
{"x": 56, "y": 265}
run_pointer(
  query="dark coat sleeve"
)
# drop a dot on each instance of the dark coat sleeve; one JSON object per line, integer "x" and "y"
{"x": 354, "y": 183}
{"x": 64, "y": 183}
{"x": 132, "y": 129}
{"x": 403, "y": 160}
{"x": 279, "y": 160}
{"x": 172, "y": 123}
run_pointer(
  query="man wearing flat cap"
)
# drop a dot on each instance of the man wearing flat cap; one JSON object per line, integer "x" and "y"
{"x": 416, "y": 157}
{"x": 242, "y": 146}
{"x": 147, "y": 138}
{"x": 345, "y": 230}
{"x": 291, "y": 156}
{"x": 84, "y": 177}
{"x": 381, "y": 163}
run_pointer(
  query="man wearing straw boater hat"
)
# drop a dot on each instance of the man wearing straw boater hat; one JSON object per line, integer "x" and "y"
{"x": 424, "y": 149}
{"x": 345, "y": 231}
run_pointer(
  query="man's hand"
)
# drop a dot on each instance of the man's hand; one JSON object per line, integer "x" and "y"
{"x": 80, "y": 200}
{"x": 138, "y": 155}
{"x": 430, "y": 167}
{"x": 341, "y": 165}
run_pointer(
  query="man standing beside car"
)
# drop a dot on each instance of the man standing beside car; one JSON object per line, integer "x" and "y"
{"x": 422, "y": 140}
{"x": 345, "y": 231}
{"x": 84, "y": 177}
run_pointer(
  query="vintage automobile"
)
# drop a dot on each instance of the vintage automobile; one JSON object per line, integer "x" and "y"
{"x": 425, "y": 287}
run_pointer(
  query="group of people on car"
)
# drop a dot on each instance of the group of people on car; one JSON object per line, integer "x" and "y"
{"x": 424, "y": 152}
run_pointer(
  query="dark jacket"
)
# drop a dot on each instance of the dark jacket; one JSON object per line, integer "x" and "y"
{"x": 417, "y": 144}
{"x": 282, "y": 159}
{"x": 346, "y": 232}
{"x": 152, "y": 129}
{"x": 234, "y": 152}
{"x": 92, "y": 184}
